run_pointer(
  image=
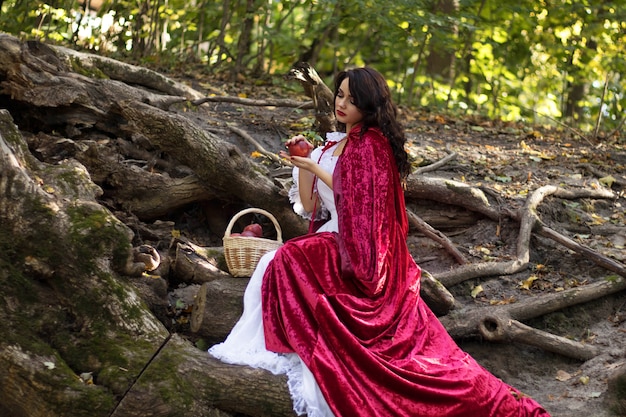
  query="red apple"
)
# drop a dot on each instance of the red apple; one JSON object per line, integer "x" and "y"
{"x": 254, "y": 228}
{"x": 248, "y": 233}
{"x": 300, "y": 148}
{"x": 235, "y": 234}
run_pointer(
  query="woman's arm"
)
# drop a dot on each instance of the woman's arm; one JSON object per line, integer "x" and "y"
{"x": 308, "y": 170}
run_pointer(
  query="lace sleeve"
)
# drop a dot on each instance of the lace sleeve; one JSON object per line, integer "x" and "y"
{"x": 294, "y": 191}
{"x": 294, "y": 196}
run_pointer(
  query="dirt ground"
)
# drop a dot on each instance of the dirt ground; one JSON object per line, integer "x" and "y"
{"x": 511, "y": 160}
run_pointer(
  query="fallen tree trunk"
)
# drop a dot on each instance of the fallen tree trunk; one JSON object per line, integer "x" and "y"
{"x": 204, "y": 386}
{"x": 219, "y": 304}
{"x": 67, "y": 312}
{"x": 222, "y": 167}
{"x": 84, "y": 103}
{"x": 196, "y": 265}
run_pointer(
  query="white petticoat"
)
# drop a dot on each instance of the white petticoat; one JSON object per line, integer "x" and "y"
{"x": 245, "y": 345}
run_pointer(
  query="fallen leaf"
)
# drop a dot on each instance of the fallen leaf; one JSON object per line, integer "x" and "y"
{"x": 562, "y": 375}
{"x": 476, "y": 290}
{"x": 503, "y": 178}
{"x": 597, "y": 220}
{"x": 509, "y": 300}
{"x": 546, "y": 156}
{"x": 528, "y": 282}
{"x": 87, "y": 377}
{"x": 608, "y": 180}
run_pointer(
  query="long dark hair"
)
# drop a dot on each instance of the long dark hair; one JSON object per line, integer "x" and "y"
{"x": 371, "y": 95}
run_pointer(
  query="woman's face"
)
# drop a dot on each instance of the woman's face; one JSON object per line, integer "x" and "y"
{"x": 345, "y": 110}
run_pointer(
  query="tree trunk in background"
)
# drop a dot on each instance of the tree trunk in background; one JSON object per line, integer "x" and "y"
{"x": 440, "y": 61}
{"x": 139, "y": 45}
{"x": 311, "y": 55}
{"x": 245, "y": 39}
{"x": 575, "y": 93}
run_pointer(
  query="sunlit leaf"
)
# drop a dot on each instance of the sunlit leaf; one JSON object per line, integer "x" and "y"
{"x": 476, "y": 290}
{"x": 528, "y": 282}
{"x": 608, "y": 180}
{"x": 597, "y": 220}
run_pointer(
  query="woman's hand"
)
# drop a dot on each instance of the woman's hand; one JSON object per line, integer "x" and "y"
{"x": 303, "y": 162}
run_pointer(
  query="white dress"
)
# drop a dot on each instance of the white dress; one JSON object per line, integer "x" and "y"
{"x": 245, "y": 345}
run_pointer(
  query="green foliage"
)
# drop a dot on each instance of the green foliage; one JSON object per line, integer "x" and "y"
{"x": 536, "y": 61}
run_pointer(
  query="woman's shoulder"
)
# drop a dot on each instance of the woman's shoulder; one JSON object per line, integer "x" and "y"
{"x": 373, "y": 138}
{"x": 371, "y": 134}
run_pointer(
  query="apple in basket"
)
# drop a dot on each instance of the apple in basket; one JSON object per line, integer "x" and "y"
{"x": 253, "y": 230}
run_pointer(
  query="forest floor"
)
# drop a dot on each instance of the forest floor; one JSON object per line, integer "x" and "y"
{"x": 512, "y": 160}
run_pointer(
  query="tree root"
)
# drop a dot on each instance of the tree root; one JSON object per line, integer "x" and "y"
{"x": 502, "y": 329}
{"x": 465, "y": 323}
{"x": 530, "y": 223}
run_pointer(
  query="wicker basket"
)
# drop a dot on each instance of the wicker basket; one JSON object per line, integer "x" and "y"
{"x": 242, "y": 253}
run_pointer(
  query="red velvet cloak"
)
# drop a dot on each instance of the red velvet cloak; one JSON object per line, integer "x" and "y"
{"x": 348, "y": 304}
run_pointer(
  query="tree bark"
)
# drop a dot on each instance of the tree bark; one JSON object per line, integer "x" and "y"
{"x": 184, "y": 381}
{"x": 81, "y": 325}
{"x": 67, "y": 310}
{"x": 221, "y": 166}
{"x": 498, "y": 329}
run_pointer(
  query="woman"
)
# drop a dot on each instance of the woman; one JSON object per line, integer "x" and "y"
{"x": 312, "y": 198}
{"x": 347, "y": 302}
